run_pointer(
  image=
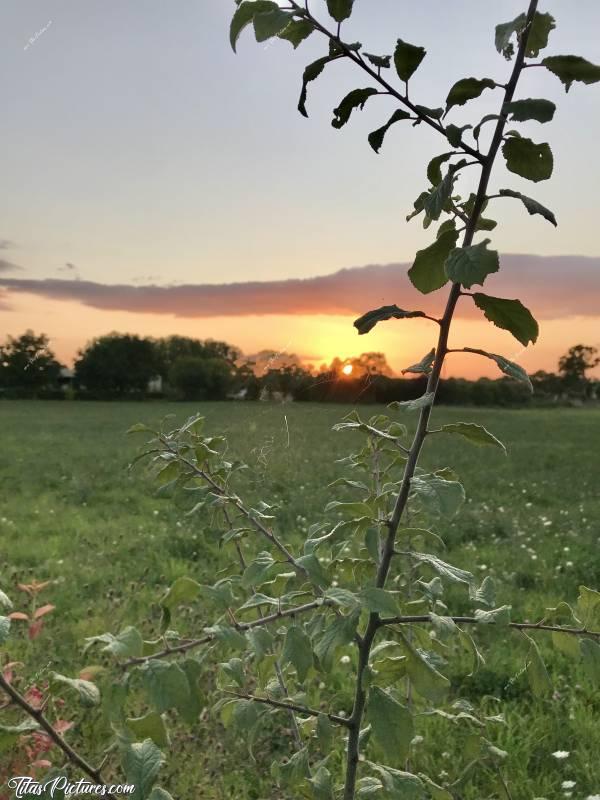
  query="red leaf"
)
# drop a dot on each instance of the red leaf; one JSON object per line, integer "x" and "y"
{"x": 35, "y": 629}
{"x": 62, "y": 725}
{"x": 18, "y": 615}
{"x": 42, "y": 610}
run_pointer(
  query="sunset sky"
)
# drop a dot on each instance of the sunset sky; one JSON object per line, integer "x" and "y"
{"x": 156, "y": 183}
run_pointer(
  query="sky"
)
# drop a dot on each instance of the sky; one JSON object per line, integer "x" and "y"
{"x": 155, "y": 182}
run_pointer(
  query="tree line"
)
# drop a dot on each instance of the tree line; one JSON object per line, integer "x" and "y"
{"x": 126, "y": 366}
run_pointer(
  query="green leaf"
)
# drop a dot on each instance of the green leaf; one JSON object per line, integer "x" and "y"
{"x": 436, "y": 113}
{"x": 454, "y": 134}
{"x": 407, "y": 58}
{"x": 368, "y": 321}
{"x": 486, "y": 593}
{"x": 472, "y": 264}
{"x": 509, "y": 368}
{"x": 527, "y": 159}
{"x": 322, "y": 784}
{"x": 4, "y": 629}
{"x": 342, "y": 597}
{"x": 566, "y": 643}
{"x": 340, "y": 632}
{"x": 183, "y": 590}
{"x": 496, "y": 616}
{"x": 315, "y": 571}
{"x": 427, "y": 273}
{"x": 438, "y": 197}
{"x": 379, "y": 601}
{"x": 424, "y": 365}
{"x": 436, "y": 792}
{"x": 532, "y": 206}
{"x": 354, "y": 99}
{"x": 399, "y": 785}
{"x": 481, "y": 123}
{"x": 414, "y": 405}
{"x": 467, "y": 89}
{"x": 437, "y": 494}
{"x": 166, "y": 684}
{"x": 522, "y": 110}
{"x": 376, "y": 137}
{"x": 258, "y": 570}
{"x": 468, "y": 643}
{"x": 381, "y": 62}
{"x": 537, "y": 40}
{"x": 297, "y": 651}
{"x": 434, "y": 173}
{"x": 539, "y": 680}
{"x": 141, "y": 763}
{"x": 428, "y": 682}
{"x": 505, "y": 32}
{"x": 340, "y": 9}
{"x": 270, "y": 23}
{"x": 89, "y": 694}
{"x": 159, "y": 793}
{"x": 324, "y": 732}
{"x": 5, "y": 601}
{"x": 127, "y": 644}
{"x": 150, "y": 726}
{"x": 297, "y": 31}
{"x": 448, "y": 571}
{"x": 511, "y": 315}
{"x": 476, "y": 434}
{"x": 392, "y": 725}
{"x": 590, "y": 651}
{"x": 588, "y": 607}
{"x": 572, "y": 68}
{"x": 244, "y": 15}
{"x": 311, "y": 73}
{"x": 10, "y": 734}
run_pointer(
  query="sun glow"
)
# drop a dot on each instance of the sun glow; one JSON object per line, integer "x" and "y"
{"x": 347, "y": 369}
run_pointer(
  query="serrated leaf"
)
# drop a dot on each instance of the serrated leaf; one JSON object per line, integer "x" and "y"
{"x": 381, "y": 62}
{"x": 391, "y": 724}
{"x": 297, "y": 651}
{"x": 414, "y": 405}
{"x": 424, "y": 365}
{"x": 537, "y": 39}
{"x": 445, "y": 570}
{"x": 509, "y": 368}
{"x": 342, "y": 597}
{"x": 338, "y": 633}
{"x": 435, "y": 113}
{"x": 183, "y": 590}
{"x": 454, "y": 134}
{"x": 427, "y": 272}
{"x": 539, "y": 680}
{"x": 296, "y": 32}
{"x": 407, "y": 58}
{"x": 532, "y": 108}
{"x": 527, "y": 159}
{"x": 532, "y": 206}
{"x": 434, "y": 173}
{"x": 428, "y": 682}
{"x": 511, "y": 315}
{"x": 566, "y": 643}
{"x": 505, "y": 32}
{"x": 315, "y": 571}
{"x": 141, "y": 763}
{"x": 472, "y": 264}
{"x": 400, "y": 785}
{"x": 258, "y": 570}
{"x": 588, "y": 607}
{"x": 476, "y": 434}
{"x": 244, "y": 15}
{"x": 354, "y": 99}
{"x": 438, "y": 495}
{"x": 467, "y": 89}
{"x": 10, "y": 734}
{"x": 311, "y": 73}
{"x": 322, "y": 784}
{"x": 368, "y": 321}
{"x": 324, "y": 732}
{"x": 379, "y": 601}
{"x": 270, "y": 23}
{"x": 468, "y": 643}
{"x": 340, "y": 10}
{"x": 572, "y": 68}
{"x": 437, "y": 198}
{"x": 376, "y": 137}
{"x": 88, "y": 692}
{"x": 150, "y": 726}
{"x": 126, "y": 644}
{"x": 166, "y": 684}
{"x": 496, "y": 616}
{"x": 486, "y": 593}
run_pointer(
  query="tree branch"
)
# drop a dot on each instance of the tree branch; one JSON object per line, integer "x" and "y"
{"x": 293, "y": 707}
{"x": 531, "y": 626}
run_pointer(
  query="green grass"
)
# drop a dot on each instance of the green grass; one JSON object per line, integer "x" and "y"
{"x": 72, "y": 513}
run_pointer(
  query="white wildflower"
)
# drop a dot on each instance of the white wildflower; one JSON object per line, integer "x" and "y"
{"x": 560, "y": 754}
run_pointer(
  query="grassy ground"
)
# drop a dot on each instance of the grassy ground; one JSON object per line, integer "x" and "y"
{"x": 72, "y": 513}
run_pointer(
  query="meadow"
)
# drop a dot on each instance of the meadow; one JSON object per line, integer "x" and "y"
{"x": 73, "y": 513}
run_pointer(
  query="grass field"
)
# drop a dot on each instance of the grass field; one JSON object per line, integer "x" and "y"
{"x": 73, "y": 514}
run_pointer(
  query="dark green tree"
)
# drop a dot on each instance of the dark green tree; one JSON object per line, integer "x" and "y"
{"x": 574, "y": 365}
{"x": 27, "y": 363}
{"x": 117, "y": 364}
{"x": 200, "y": 378}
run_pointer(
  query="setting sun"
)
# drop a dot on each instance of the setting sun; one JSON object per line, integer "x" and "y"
{"x": 347, "y": 369}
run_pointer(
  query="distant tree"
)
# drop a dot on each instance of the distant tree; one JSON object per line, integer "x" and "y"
{"x": 27, "y": 363}
{"x": 199, "y": 378}
{"x": 117, "y": 364}
{"x": 574, "y": 365}
{"x": 171, "y": 348}
{"x": 547, "y": 383}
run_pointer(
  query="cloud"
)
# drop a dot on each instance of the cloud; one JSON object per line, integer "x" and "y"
{"x": 6, "y": 244}
{"x": 552, "y": 286}
{"x": 7, "y": 266}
